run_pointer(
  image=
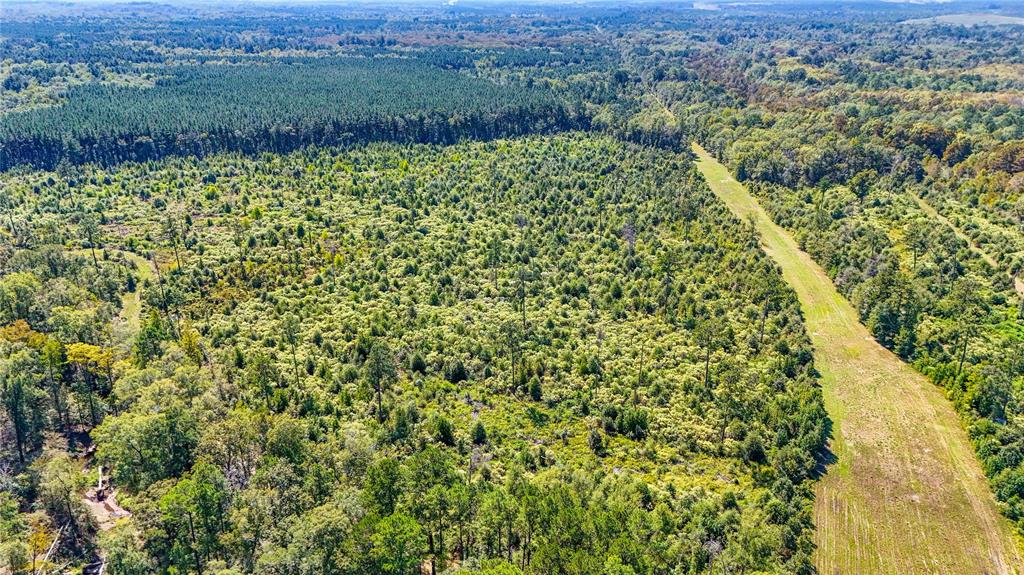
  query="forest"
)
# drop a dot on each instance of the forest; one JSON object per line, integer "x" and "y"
{"x": 273, "y": 107}
{"x": 310, "y": 289}
{"x": 270, "y": 366}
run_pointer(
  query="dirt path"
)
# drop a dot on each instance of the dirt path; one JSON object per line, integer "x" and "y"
{"x": 906, "y": 494}
{"x": 1018, "y": 283}
{"x": 104, "y": 508}
{"x": 102, "y": 504}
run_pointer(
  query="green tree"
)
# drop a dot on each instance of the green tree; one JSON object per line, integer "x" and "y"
{"x": 89, "y": 225}
{"x": 124, "y": 552}
{"x": 18, "y": 293}
{"x": 22, "y": 401}
{"x": 479, "y": 433}
{"x": 51, "y": 356}
{"x": 770, "y": 288}
{"x": 398, "y": 545}
{"x": 60, "y": 481}
{"x": 595, "y": 441}
{"x": 261, "y": 374}
{"x": 383, "y": 485}
{"x": 154, "y": 441}
{"x": 380, "y": 372}
{"x": 444, "y": 432}
{"x": 710, "y": 334}
{"x": 917, "y": 237}
{"x": 173, "y": 234}
{"x": 429, "y": 474}
{"x": 511, "y": 337}
{"x": 966, "y": 307}
{"x": 290, "y": 330}
{"x": 15, "y": 391}
{"x": 193, "y": 514}
{"x": 325, "y": 540}
{"x": 860, "y": 184}
{"x": 147, "y": 345}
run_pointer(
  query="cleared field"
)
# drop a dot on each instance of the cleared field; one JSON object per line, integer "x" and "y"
{"x": 975, "y": 19}
{"x": 904, "y": 492}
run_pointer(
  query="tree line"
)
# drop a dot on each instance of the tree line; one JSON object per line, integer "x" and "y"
{"x": 277, "y": 107}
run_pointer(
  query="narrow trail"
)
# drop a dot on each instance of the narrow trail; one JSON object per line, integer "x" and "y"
{"x": 1018, "y": 283}
{"x": 129, "y": 320}
{"x": 101, "y": 500}
{"x": 905, "y": 494}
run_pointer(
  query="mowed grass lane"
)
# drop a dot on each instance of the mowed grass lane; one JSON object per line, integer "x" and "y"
{"x": 905, "y": 494}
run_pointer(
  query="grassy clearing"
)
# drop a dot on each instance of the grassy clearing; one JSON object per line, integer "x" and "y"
{"x": 131, "y": 303}
{"x": 905, "y": 493}
{"x": 128, "y": 321}
{"x": 972, "y": 19}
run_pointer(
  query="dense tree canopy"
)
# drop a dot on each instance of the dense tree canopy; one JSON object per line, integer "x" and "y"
{"x": 274, "y": 107}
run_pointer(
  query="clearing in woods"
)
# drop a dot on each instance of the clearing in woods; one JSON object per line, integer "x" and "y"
{"x": 904, "y": 493}
{"x": 970, "y": 19}
{"x": 130, "y": 318}
{"x": 126, "y": 324}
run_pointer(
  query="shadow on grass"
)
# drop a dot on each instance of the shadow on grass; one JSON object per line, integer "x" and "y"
{"x": 824, "y": 458}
